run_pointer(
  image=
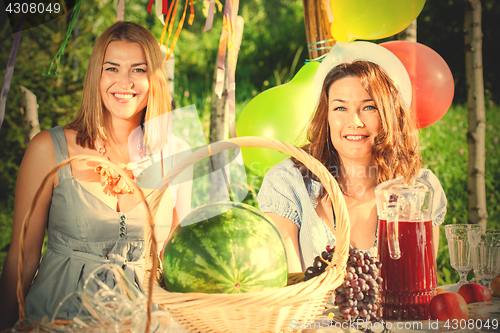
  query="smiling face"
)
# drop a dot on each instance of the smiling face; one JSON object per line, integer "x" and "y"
{"x": 353, "y": 119}
{"x": 125, "y": 81}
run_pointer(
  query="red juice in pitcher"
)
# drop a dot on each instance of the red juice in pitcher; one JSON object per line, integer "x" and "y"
{"x": 409, "y": 282}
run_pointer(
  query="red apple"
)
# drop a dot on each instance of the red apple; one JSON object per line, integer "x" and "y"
{"x": 448, "y": 306}
{"x": 473, "y": 292}
{"x": 495, "y": 286}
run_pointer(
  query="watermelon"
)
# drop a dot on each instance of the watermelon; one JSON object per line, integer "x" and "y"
{"x": 237, "y": 249}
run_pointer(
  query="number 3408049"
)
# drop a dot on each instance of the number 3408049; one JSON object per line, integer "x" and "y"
{"x": 33, "y": 8}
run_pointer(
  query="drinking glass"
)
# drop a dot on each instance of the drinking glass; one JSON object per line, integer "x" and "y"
{"x": 485, "y": 250}
{"x": 458, "y": 245}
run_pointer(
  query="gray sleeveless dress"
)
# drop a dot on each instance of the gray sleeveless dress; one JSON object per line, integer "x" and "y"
{"x": 83, "y": 234}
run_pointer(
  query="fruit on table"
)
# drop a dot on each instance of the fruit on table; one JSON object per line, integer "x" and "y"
{"x": 225, "y": 248}
{"x": 440, "y": 291}
{"x": 495, "y": 286}
{"x": 473, "y": 292}
{"x": 448, "y": 306}
{"x": 357, "y": 297}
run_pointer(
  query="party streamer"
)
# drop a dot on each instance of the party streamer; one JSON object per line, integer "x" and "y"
{"x": 59, "y": 54}
{"x": 159, "y": 11}
{"x": 9, "y": 71}
{"x": 150, "y": 7}
{"x": 120, "y": 10}
{"x": 210, "y": 16}
{"x": 168, "y": 24}
{"x": 170, "y": 14}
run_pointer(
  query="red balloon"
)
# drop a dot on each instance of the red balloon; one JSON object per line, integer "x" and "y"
{"x": 431, "y": 80}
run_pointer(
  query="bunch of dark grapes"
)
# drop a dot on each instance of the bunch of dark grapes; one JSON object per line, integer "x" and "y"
{"x": 319, "y": 264}
{"x": 357, "y": 297}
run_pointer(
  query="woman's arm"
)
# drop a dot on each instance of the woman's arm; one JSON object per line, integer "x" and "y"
{"x": 38, "y": 160}
{"x": 290, "y": 234}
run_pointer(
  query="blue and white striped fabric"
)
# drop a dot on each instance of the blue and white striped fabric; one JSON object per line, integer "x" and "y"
{"x": 285, "y": 192}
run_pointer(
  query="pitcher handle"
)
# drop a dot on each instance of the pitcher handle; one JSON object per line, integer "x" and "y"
{"x": 393, "y": 227}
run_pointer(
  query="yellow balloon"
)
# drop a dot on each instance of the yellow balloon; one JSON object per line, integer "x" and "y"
{"x": 375, "y": 19}
{"x": 339, "y": 33}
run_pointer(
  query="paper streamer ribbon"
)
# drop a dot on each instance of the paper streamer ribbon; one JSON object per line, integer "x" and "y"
{"x": 59, "y": 54}
{"x": 319, "y": 48}
{"x": 168, "y": 23}
{"x": 150, "y": 7}
{"x": 120, "y": 10}
{"x": 210, "y": 15}
{"x": 9, "y": 71}
{"x": 228, "y": 43}
{"x": 159, "y": 11}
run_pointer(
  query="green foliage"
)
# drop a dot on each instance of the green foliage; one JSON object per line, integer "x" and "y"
{"x": 444, "y": 151}
{"x": 273, "y": 35}
{"x": 440, "y": 26}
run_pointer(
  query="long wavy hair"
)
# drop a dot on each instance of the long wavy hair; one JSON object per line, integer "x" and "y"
{"x": 90, "y": 122}
{"x": 396, "y": 151}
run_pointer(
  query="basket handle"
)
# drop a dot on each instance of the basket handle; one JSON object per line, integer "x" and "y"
{"x": 47, "y": 180}
{"x": 328, "y": 181}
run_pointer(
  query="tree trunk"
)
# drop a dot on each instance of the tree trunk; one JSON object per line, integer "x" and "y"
{"x": 410, "y": 33}
{"x": 475, "y": 104}
{"x": 219, "y": 130}
{"x": 170, "y": 69}
{"x": 318, "y": 28}
{"x": 29, "y": 111}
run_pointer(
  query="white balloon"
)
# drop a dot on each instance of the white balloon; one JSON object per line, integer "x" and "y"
{"x": 348, "y": 52}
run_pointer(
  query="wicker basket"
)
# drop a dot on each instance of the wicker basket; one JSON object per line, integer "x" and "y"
{"x": 278, "y": 310}
{"x": 268, "y": 311}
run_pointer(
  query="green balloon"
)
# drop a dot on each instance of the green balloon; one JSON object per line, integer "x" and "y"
{"x": 280, "y": 113}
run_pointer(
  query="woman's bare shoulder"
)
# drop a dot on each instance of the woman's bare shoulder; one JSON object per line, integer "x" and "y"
{"x": 41, "y": 144}
{"x": 38, "y": 159}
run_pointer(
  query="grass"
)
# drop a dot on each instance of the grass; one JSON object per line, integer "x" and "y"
{"x": 444, "y": 151}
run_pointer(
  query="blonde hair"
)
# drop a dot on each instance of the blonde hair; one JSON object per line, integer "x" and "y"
{"x": 396, "y": 151}
{"x": 90, "y": 122}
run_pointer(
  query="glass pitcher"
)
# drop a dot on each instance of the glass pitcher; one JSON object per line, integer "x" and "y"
{"x": 405, "y": 248}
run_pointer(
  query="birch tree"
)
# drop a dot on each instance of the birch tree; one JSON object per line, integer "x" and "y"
{"x": 475, "y": 105}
